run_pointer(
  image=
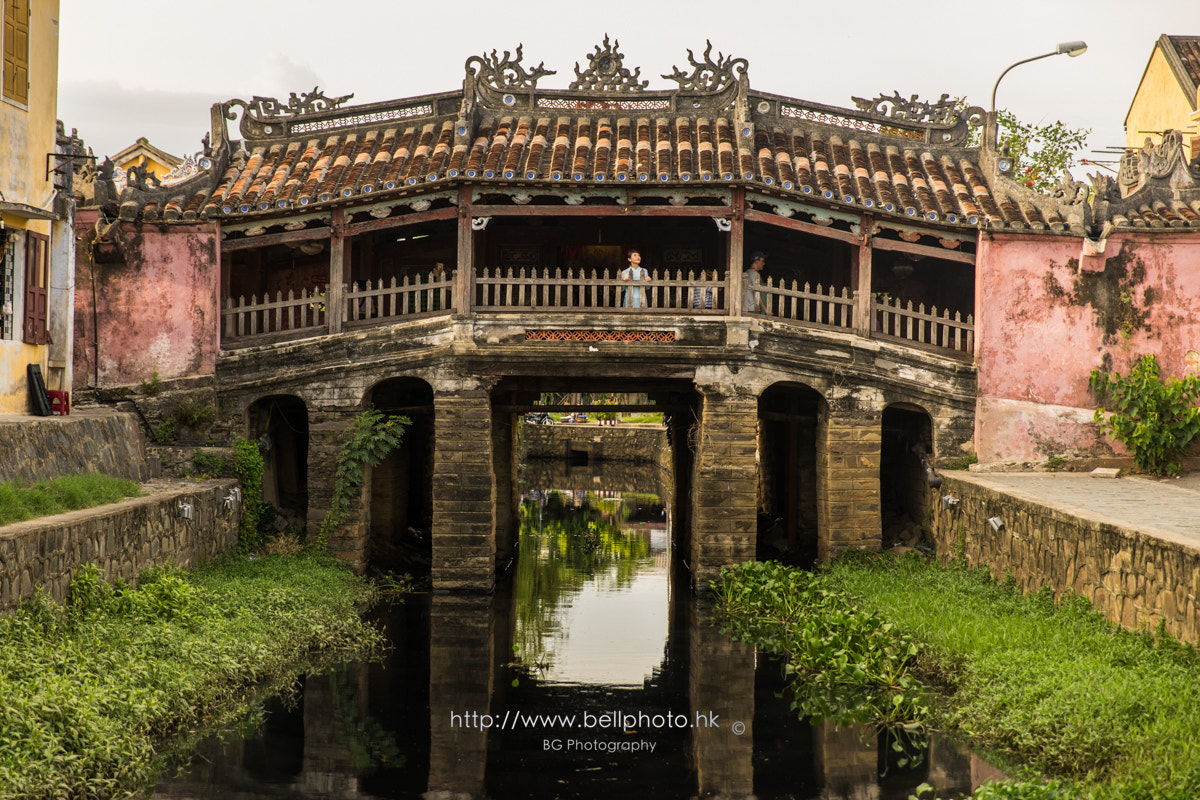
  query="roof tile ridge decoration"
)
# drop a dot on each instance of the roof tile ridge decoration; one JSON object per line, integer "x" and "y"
{"x": 1065, "y": 209}
{"x": 860, "y": 164}
{"x": 478, "y": 151}
{"x": 947, "y": 204}
{"x": 262, "y": 176}
{"x": 421, "y": 153}
{"x": 843, "y": 186}
{"x": 392, "y": 175}
{"x": 278, "y": 180}
{"x": 686, "y": 152}
{"x": 706, "y": 154}
{"x": 265, "y": 116}
{"x": 582, "y": 149}
{"x": 441, "y": 152}
{"x": 520, "y": 138}
{"x": 966, "y": 203}
{"x": 291, "y": 188}
{"x": 1183, "y": 56}
{"x": 142, "y": 190}
{"x": 662, "y": 149}
{"x": 881, "y": 177}
{"x": 624, "y": 159}
{"x": 606, "y": 71}
{"x": 783, "y": 159}
{"x": 537, "y": 148}
{"x": 308, "y": 192}
{"x": 602, "y": 163}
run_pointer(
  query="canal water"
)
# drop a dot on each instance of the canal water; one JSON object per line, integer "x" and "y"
{"x": 592, "y": 672}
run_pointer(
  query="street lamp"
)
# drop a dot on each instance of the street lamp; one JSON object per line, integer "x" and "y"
{"x": 1070, "y": 48}
{"x": 991, "y": 129}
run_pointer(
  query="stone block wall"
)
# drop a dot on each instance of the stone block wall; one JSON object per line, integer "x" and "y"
{"x": 87, "y": 440}
{"x": 1132, "y": 578}
{"x": 724, "y": 486}
{"x": 122, "y": 539}
{"x": 848, "y": 510}
{"x": 464, "y": 547}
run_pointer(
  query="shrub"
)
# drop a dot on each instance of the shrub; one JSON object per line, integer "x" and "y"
{"x": 1156, "y": 419}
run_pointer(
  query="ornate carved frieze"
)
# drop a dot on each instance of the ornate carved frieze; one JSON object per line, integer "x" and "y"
{"x": 1160, "y": 160}
{"x": 298, "y": 105}
{"x": 606, "y": 72}
{"x": 1070, "y": 192}
{"x": 943, "y": 112}
{"x": 709, "y": 75}
{"x": 506, "y": 73}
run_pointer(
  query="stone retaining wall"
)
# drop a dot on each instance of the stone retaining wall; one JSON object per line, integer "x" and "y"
{"x": 599, "y": 442}
{"x": 87, "y": 440}
{"x": 1134, "y": 579}
{"x": 121, "y": 539}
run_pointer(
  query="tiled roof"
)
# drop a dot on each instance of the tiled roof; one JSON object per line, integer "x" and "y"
{"x": 1187, "y": 51}
{"x": 893, "y": 157}
{"x": 905, "y": 178}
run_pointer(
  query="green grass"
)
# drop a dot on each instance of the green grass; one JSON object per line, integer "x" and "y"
{"x": 90, "y": 693}
{"x": 19, "y": 502}
{"x": 1115, "y": 714}
{"x": 643, "y": 419}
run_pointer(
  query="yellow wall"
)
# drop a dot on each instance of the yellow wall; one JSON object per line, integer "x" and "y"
{"x": 1159, "y": 104}
{"x": 159, "y": 169}
{"x": 26, "y": 136}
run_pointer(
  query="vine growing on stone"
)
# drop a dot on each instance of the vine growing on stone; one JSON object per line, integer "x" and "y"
{"x": 368, "y": 441}
{"x": 248, "y": 466}
{"x": 1157, "y": 420}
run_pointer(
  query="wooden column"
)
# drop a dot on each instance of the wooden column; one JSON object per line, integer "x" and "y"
{"x": 737, "y": 246}
{"x": 464, "y": 287}
{"x": 335, "y": 292}
{"x": 862, "y": 306}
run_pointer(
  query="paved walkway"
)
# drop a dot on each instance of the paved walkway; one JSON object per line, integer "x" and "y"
{"x": 1163, "y": 508}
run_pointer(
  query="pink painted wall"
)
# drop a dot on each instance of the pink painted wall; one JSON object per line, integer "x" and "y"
{"x": 154, "y": 311}
{"x": 1047, "y": 315}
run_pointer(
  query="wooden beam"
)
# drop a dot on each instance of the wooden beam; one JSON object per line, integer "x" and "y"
{"x": 416, "y": 218}
{"x": 704, "y": 212}
{"x": 464, "y": 284}
{"x": 862, "y": 307}
{"x": 923, "y": 250}
{"x": 753, "y": 215}
{"x": 268, "y": 239}
{"x": 335, "y": 292}
{"x": 737, "y": 244}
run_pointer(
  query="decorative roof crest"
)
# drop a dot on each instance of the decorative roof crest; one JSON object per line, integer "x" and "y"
{"x": 507, "y": 73}
{"x": 606, "y": 72}
{"x": 709, "y": 75}
{"x": 1159, "y": 160}
{"x": 944, "y": 112}
{"x": 313, "y": 102}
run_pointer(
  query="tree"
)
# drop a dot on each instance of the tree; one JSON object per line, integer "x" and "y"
{"x": 1042, "y": 152}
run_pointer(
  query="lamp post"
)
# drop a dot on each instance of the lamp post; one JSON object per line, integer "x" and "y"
{"x": 1070, "y": 48}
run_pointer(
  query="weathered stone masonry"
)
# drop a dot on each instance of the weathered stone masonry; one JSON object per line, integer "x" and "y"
{"x": 1132, "y": 578}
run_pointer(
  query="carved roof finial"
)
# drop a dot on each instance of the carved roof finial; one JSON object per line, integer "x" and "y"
{"x": 506, "y": 73}
{"x": 709, "y": 75}
{"x": 606, "y": 73}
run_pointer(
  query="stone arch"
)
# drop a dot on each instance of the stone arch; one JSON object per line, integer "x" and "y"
{"x": 788, "y": 445}
{"x": 280, "y": 424}
{"x": 400, "y": 500}
{"x": 906, "y": 475}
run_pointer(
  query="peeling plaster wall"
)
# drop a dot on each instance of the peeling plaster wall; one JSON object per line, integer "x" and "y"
{"x": 145, "y": 303}
{"x": 1048, "y": 315}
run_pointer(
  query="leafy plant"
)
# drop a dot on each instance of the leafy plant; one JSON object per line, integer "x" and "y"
{"x": 1055, "y": 463}
{"x": 961, "y": 462}
{"x": 368, "y": 441}
{"x": 192, "y": 413}
{"x": 1042, "y": 153}
{"x": 1156, "y": 419}
{"x": 843, "y": 663}
{"x": 209, "y": 464}
{"x": 248, "y": 466}
{"x": 164, "y": 431}
{"x": 150, "y": 387}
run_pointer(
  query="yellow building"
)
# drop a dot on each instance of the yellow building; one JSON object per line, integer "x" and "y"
{"x": 37, "y": 274}
{"x": 1167, "y": 97}
{"x": 158, "y": 162}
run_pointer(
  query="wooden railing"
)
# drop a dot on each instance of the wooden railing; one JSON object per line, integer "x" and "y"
{"x": 895, "y": 320}
{"x": 826, "y": 308}
{"x": 548, "y": 291}
{"x": 580, "y": 290}
{"x": 368, "y": 303}
{"x": 291, "y": 314}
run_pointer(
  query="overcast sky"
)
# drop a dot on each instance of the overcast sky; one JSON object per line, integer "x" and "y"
{"x": 130, "y": 68}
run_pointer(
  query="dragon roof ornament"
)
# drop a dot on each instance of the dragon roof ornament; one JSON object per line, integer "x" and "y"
{"x": 709, "y": 75}
{"x": 944, "y": 112}
{"x": 507, "y": 73}
{"x": 260, "y": 112}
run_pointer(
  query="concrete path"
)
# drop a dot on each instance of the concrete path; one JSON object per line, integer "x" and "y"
{"x": 1166, "y": 508}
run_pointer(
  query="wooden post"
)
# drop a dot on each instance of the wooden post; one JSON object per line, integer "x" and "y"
{"x": 737, "y": 244}
{"x": 464, "y": 287}
{"x": 335, "y": 291}
{"x": 862, "y": 306}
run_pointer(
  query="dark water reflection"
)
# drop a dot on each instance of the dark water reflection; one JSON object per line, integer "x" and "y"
{"x": 515, "y": 695}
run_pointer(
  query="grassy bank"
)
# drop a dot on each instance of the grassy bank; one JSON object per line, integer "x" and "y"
{"x": 1104, "y": 712}
{"x": 87, "y": 691}
{"x": 19, "y": 502}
